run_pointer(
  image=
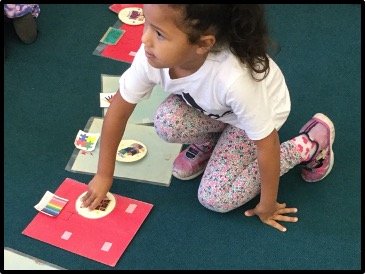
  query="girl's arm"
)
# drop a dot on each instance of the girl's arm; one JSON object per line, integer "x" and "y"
{"x": 114, "y": 125}
{"x": 268, "y": 210}
{"x": 268, "y": 157}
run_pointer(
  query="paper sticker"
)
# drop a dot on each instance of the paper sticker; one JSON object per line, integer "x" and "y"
{"x": 106, "y": 99}
{"x": 86, "y": 141}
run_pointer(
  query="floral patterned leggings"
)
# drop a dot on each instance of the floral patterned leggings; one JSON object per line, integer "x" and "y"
{"x": 18, "y": 10}
{"x": 232, "y": 175}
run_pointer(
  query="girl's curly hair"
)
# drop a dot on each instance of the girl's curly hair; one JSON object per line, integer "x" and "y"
{"x": 241, "y": 28}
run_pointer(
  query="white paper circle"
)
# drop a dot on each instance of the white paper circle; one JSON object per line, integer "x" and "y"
{"x": 130, "y": 151}
{"x": 132, "y": 16}
{"x": 106, "y": 206}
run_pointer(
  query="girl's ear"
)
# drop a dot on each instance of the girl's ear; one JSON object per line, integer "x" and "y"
{"x": 206, "y": 43}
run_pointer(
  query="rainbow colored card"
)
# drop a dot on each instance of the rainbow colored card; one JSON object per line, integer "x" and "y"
{"x": 51, "y": 204}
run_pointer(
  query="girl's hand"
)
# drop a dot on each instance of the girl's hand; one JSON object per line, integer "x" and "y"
{"x": 271, "y": 215}
{"x": 98, "y": 189}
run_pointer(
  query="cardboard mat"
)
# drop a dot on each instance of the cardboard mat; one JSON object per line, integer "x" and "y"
{"x": 154, "y": 168}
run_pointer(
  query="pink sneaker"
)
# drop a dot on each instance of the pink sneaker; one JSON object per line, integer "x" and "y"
{"x": 191, "y": 162}
{"x": 320, "y": 130}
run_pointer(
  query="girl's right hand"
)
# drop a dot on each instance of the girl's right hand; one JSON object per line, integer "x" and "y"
{"x": 272, "y": 216}
{"x": 98, "y": 189}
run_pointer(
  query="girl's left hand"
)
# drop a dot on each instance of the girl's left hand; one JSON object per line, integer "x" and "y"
{"x": 270, "y": 217}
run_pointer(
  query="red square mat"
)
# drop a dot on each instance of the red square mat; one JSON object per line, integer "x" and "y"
{"x": 103, "y": 239}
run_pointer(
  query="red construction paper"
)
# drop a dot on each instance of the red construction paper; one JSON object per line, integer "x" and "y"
{"x": 118, "y": 7}
{"x": 87, "y": 237}
{"x": 129, "y": 43}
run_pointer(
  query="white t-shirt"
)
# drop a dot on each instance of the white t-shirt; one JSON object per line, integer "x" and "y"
{"x": 222, "y": 88}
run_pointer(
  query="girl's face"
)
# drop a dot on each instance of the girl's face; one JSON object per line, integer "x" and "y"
{"x": 166, "y": 46}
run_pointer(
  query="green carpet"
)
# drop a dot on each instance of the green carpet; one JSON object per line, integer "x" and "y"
{"x": 52, "y": 86}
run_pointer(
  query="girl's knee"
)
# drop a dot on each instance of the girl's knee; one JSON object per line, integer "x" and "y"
{"x": 214, "y": 204}
{"x": 164, "y": 131}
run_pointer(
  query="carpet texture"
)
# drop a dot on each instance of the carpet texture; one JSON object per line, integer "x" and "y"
{"x": 51, "y": 88}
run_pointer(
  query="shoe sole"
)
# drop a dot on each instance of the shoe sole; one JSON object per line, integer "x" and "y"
{"x": 189, "y": 177}
{"x": 329, "y": 123}
{"x": 26, "y": 28}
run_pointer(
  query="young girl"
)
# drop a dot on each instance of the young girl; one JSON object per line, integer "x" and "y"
{"x": 228, "y": 99}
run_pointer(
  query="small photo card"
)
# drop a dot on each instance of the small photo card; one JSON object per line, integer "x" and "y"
{"x": 112, "y": 36}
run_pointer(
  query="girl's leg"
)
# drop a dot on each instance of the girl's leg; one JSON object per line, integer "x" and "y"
{"x": 232, "y": 177}
{"x": 176, "y": 122}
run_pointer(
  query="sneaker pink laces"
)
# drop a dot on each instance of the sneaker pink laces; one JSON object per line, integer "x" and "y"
{"x": 191, "y": 162}
{"x": 320, "y": 130}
